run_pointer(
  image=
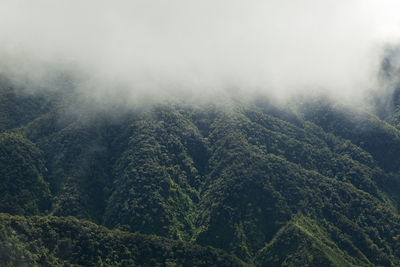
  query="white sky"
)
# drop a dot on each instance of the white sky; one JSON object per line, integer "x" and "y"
{"x": 160, "y": 46}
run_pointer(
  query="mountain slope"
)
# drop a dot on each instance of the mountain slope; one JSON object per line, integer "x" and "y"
{"x": 313, "y": 184}
{"x": 60, "y": 241}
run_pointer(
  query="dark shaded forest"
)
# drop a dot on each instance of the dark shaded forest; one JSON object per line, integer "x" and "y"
{"x": 313, "y": 183}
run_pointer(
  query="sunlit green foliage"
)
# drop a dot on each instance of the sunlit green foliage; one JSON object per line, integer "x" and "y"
{"x": 56, "y": 241}
{"x": 312, "y": 184}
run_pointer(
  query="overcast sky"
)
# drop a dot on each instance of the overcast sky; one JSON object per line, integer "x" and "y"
{"x": 161, "y": 47}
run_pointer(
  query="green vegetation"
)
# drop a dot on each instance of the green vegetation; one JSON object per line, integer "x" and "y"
{"x": 22, "y": 187}
{"x": 55, "y": 241}
{"x": 311, "y": 185}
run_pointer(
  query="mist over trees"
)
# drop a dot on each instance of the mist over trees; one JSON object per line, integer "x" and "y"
{"x": 181, "y": 133}
{"x": 314, "y": 182}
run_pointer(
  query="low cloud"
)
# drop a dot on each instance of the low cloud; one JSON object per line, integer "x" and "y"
{"x": 161, "y": 49}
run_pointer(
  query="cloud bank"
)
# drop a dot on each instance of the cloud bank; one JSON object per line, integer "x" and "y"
{"x": 166, "y": 48}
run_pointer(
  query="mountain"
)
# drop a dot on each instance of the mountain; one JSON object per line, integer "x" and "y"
{"x": 310, "y": 183}
{"x": 56, "y": 241}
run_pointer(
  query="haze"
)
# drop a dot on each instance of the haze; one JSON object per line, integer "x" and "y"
{"x": 161, "y": 49}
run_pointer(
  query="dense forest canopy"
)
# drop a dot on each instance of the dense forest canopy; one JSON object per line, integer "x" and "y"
{"x": 313, "y": 182}
{"x": 200, "y": 133}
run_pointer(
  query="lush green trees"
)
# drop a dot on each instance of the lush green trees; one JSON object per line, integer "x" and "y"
{"x": 57, "y": 241}
{"x": 311, "y": 184}
{"x": 23, "y": 189}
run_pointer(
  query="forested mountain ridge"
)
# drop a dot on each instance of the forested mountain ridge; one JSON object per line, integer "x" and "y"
{"x": 65, "y": 241}
{"x": 311, "y": 184}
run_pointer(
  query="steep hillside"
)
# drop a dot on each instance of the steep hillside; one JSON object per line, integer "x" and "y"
{"x": 58, "y": 241}
{"x": 313, "y": 184}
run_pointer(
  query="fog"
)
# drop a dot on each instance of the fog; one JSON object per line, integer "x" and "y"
{"x": 163, "y": 49}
